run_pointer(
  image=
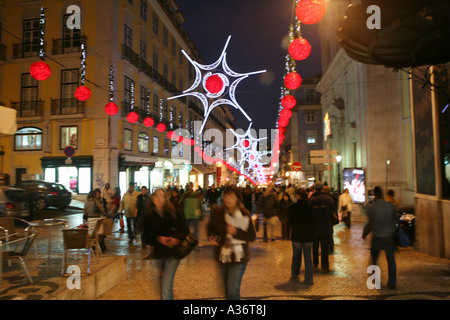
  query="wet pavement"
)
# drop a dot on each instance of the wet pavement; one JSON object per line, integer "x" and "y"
{"x": 419, "y": 276}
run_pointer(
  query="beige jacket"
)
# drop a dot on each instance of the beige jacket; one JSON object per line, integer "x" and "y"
{"x": 128, "y": 204}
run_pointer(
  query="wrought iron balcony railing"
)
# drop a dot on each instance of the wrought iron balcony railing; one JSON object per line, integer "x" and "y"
{"x": 68, "y": 44}
{"x": 67, "y": 107}
{"x": 130, "y": 55}
{"x": 29, "y": 108}
{"x": 26, "y": 50}
{"x": 2, "y": 52}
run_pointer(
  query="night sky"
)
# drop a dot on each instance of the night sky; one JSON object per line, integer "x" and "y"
{"x": 257, "y": 29}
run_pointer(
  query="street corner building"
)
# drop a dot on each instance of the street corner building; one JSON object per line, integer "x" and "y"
{"x": 125, "y": 52}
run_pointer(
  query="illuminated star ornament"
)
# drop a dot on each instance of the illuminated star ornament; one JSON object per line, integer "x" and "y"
{"x": 215, "y": 83}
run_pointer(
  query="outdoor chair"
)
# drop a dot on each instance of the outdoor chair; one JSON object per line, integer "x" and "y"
{"x": 10, "y": 227}
{"x": 78, "y": 239}
{"x": 17, "y": 249}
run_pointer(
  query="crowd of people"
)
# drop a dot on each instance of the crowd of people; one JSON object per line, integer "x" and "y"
{"x": 307, "y": 217}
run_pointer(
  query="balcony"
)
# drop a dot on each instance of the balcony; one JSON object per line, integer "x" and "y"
{"x": 26, "y": 50}
{"x": 68, "y": 45}
{"x": 131, "y": 56}
{"x": 29, "y": 108}
{"x": 67, "y": 107}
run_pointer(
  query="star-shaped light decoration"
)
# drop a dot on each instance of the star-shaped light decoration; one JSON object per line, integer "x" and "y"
{"x": 215, "y": 83}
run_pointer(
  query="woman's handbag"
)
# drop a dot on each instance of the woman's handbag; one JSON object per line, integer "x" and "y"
{"x": 186, "y": 246}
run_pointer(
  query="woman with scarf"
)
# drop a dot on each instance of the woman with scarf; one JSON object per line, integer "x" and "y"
{"x": 230, "y": 229}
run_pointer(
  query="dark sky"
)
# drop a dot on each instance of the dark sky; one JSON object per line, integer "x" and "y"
{"x": 257, "y": 29}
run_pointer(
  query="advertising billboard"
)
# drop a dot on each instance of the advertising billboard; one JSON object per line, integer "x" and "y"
{"x": 354, "y": 181}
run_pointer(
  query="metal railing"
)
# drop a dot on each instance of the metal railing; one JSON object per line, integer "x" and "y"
{"x": 70, "y": 106}
{"x": 67, "y": 45}
{"x": 29, "y": 108}
{"x": 26, "y": 50}
{"x": 2, "y": 52}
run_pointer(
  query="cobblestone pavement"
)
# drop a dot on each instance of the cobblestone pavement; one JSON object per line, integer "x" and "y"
{"x": 419, "y": 276}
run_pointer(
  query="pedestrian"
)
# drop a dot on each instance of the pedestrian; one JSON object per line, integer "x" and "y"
{"x": 107, "y": 196}
{"x": 247, "y": 197}
{"x": 283, "y": 206}
{"x": 191, "y": 206}
{"x": 345, "y": 207}
{"x": 382, "y": 219}
{"x": 230, "y": 229}
{"x": 291, "y": 191}
{"x": 128, "y": 205}
{"x": 164, "y": 228}
{"x": 324, "y": 209}
{"x": 268, "y": 207}
{"x": 175, "y": 198}
{"x": 390, "y": 197}
{"x": 212, "y": 195}
{"x": 301, "y": 221}
{"x": 142, "y": 204}
{"x": 94, "y": 210}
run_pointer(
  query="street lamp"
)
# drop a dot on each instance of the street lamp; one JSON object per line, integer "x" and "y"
{"x": 338, "y": 159}
{"x": 388, "y": 162}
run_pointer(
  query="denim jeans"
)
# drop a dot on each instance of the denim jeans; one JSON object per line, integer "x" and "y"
{"x": 297, "y": 249}
{"x": 131, "y": 228}
{"x": 194, "y": 224}
{"x": 388, "y": 245}
{"x": 325, "y": 243}
{"x": 167, "y": 268}
{"x": 232, "y": 278}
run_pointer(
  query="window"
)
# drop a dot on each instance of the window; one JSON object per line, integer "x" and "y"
{"x": 127, "y": 139}
{"x": 69, "y": 137}
{"x": 155, "y": 145}
{"x": 143, "y": 142}
{"x": 144, "y": 100}
{"x": 28, "y": 139}
{"x": 311, "y": 137}
{"x": 165, "y": 36}
{"x": 310, "y": 117}
{"x": 155, "y": 23}
{"x": 165, "y": 71}
{"x": 144, "y": 9}
{"x": 155, "y": 61}
{"x": 31, "y": 33}
{"x": 143, "y": 50}
{"x": 174, "y": 78}
{"x": 29, "y": 90}
{"x": 69, "y": 83}
{"x": 166, "y": 147}
{"x": 71, "y": 37}
{"x": 127, "y": 95}
{"x": 309, "y": 95}
{"x": 155, "y": 106}
{"x": 128, "y": 36}
{"x": 165, "y": 111}
{"x": 174, "y": 47}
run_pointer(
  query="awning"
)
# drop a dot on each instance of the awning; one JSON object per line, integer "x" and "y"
{"x": 202, "y": 169}
{"x": 130, "y": 160}
{"x": 8, "y": 121}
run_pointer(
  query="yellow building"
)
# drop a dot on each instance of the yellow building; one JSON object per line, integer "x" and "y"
{"x": 142, "y": 40}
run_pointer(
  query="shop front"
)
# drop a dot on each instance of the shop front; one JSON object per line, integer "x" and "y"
{"x": 74, "y": 173}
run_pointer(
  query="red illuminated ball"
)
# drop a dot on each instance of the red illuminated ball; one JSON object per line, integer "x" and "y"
{"x": 83, "y": 93}
{"x": 299, "y": 49}
{"x": 149, "y": 122}
{"x": 132, "y": 117}
{"x": 40, "y": 70}
{"x": 214, "y": 84}
{"x": 161, "y": 127}
{"x": 171, "y": 135}
{"x": 288, "y": 102}
{"x": 286, "y": 114}
{"x": 111, "y": 108}
{"x": 292, "y": 81}
{"x": 283, "y": 122}
{"x": 310, "y": 11}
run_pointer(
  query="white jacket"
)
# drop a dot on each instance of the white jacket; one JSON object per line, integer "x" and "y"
{"x": 128, "y": 204}
{"x": 345, "y": 200}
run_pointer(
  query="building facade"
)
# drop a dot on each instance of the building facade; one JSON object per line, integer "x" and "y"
{"x": 142, "y": 41}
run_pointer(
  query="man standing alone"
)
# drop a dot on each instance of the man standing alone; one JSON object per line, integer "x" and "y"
{"x": 128, "y": 204}
{"x": 324, "y": 209}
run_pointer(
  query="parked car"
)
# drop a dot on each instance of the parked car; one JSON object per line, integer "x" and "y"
{"x": 14, "y": 203}
{"x": 46, "y": 194}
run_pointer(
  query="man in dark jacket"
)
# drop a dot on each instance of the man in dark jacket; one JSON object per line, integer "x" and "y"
{"x": 212, "y": 195}
{"x": 382, "y": 218}
{"x": 324, "y": 209}
{"x": 267, "y": 206}
{"x": 301, "y": 220}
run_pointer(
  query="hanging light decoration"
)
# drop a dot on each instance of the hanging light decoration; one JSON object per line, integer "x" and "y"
{"x": 161, "y": 127}
{"x": 310, "y": 11}
{"x": 111, "y": 108}
{"x": 288, "y": 101}
{"x": 286, "y": 113}
{"x": 299, "y": 49}
{"x": 149, "y": 122}
{"x": 292, "y": 80}
{"x": 41, "y": 70}
{"x": 83, "y": 93}
{"x": 132, "y": 117}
